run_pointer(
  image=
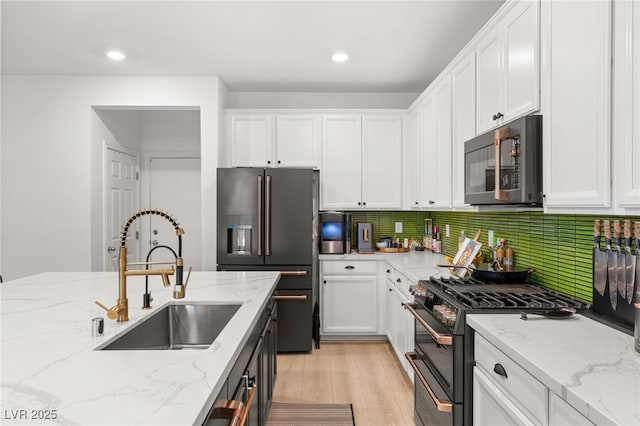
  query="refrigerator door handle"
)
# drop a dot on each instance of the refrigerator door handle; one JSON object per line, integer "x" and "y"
{"x": 268, "y": 218}
{"x": 260, "y": 208}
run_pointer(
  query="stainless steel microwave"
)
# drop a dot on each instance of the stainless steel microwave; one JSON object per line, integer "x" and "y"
{"x": 504, "y": 166}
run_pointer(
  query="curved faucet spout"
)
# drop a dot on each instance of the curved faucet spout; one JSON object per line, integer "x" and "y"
{"x": 122, "y": 306}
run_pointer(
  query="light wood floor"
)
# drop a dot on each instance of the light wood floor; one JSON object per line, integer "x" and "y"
{"x": 365, "y": 374}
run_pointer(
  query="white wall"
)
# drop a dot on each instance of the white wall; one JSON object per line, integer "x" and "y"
{"x": 51, "y": 169}
{"x": 170, "y": 130}
{"x": 319, "y": 100}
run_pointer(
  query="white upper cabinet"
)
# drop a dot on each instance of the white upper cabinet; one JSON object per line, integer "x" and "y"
{"x": 382, "y": 161}
{"x": 251, "y": 139}
{"x": 432, "y": 182}
{"x": 361, "y": 161}
{"x": 341, "y": 171}
{"x": 297, "y": 140}
{"x": 413, "y": 158}
{"x": 576, "y": 108}
{"x": 507, "y": 67}
{"x": 463, "y": 121}
{"x": 626, "y": 105}
{"x": 273, "y": 140}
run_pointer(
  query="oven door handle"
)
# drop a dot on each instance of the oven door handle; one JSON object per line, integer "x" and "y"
{"x": 442, "y": 406}
{"x": 442, "y": 339}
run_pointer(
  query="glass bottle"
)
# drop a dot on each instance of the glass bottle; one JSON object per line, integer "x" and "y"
{"x": 461, "y": 239}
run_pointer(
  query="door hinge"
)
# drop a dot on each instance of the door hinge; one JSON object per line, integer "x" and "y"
{"x": 137, "y": 177}
{"x": 137, "y": 235}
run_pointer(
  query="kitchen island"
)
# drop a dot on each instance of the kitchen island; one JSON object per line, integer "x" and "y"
{"x": 51, "y": 372}
{"x": 589, "y": 366}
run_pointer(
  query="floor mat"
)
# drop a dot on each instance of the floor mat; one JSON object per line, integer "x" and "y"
{"x": 283, "y": 414}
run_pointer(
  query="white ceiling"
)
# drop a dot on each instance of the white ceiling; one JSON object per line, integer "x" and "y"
{"x": 394, "y": 46}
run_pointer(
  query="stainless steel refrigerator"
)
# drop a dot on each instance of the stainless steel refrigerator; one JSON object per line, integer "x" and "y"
{"x": 266, "y": 222}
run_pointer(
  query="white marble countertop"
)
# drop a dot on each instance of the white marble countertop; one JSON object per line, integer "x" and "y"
{"x": 415, "y": 265}
{"x": 49, "y": 361}
{"x": 591, "y": 366}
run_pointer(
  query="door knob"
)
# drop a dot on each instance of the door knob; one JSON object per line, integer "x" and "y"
{"x": 111, "y": 249}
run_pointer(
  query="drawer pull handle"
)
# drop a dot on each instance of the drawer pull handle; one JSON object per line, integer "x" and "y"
{"x": 442, "y": 406}
{"x": 442, "y": 339}
{"x": 230, "y": 410}
{"x": 294, "y": 273}
{"x": 499, "y": 370}
{"x": 300, "y": 297}
{"x": 349, "y": 267}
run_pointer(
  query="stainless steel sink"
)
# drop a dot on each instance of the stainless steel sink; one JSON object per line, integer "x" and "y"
{"x": 176, "y": 326}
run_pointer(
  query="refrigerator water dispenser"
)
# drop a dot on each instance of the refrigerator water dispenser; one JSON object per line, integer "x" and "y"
{"x": 239, "y": 234}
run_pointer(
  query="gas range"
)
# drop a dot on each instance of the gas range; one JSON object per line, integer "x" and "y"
{"x": 450, "y": 299}
{"x": 444, "y": 345}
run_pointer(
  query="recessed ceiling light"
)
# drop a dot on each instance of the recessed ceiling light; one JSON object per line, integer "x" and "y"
{"x": 340, "y": 57}
{"x": 115, "y": 55}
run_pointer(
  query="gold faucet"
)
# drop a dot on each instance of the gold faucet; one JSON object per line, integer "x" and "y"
{"x": 120, "y": 310}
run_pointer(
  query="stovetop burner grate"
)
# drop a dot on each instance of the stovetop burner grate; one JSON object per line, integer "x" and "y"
{"x": 475, "y": 294}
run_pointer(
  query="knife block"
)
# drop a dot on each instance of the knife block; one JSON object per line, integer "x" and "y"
{"x": 624, "y": 315}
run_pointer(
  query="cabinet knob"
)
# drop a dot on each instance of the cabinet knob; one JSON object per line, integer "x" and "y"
{"x": 417, "y": 203}
{"x": 279, "y": 161}
{"x": 388, "y": 271}
{"x": 268, "y": 161}
{"x": 349, "y": 267}
{"x": 398, "y": 280}
{"x": 499, "y": 370}
{"x": 359, "y": 203}
{"x": 390, "y": 290}
{"x": 324, "y": 281}
{"x": 431, "y": 202}
{"x": 364, "y": 203}
{"x": 497, "y": 116}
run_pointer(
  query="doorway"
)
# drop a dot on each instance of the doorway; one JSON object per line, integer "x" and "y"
{"x": 174, "y": 186}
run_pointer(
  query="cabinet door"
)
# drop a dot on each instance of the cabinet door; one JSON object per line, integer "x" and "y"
{"x": 251, "y": 140}
{"x": 411, "y": 155}
{"x": 491, "y": 406}
{"x": 341, "y": 162}
{"x": 349, "y": 304}
{"x": 382, "y": 162}
{"x": 296, "y": 140}
{"x": 626, "y": 104}
{"x": 436, "y": 146}
{"x": 488, "y": 80}
{"x": 441, "y": 190}
{"x": 463, "y": 85}
{"x": 562, "y": 414}
{"x": 577, "y": 89}
{"x": 391, "y": 316}
{"x": 428, "y": 137}
{"x": 521, "y": 28}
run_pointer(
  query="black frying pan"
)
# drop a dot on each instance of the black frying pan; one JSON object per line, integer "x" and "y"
{"x": 487, "y": 272}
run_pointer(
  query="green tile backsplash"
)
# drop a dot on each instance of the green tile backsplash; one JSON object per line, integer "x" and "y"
{"x": 557, "y": 247}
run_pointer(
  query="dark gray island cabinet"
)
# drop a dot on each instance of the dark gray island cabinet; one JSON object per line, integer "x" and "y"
{"x": 248, "y": 389}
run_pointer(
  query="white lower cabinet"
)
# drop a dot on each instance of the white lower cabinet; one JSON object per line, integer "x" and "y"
{"x": 562, "y": 414}
{"x": 349, "y": 297}
{"x": 504, "y": 393}
{"x": 400, "y": 325}
{"x": 492, "y": 407}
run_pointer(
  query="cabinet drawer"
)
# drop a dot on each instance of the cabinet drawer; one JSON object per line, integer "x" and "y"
{"x": 399, "y": 281}
{"x": 527, "y": 392}
{"x": 345, "y": 267}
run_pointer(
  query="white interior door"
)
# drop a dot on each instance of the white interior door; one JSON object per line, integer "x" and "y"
{"x": 175, "y": 189}
{"x": 122, "y": 202}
